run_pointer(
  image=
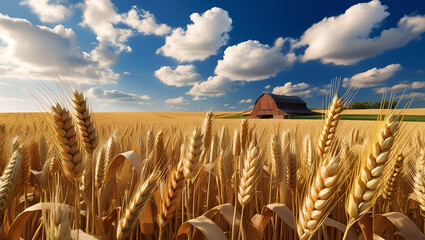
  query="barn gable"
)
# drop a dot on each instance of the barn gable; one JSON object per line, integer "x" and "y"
{"x": 278, "y": 106}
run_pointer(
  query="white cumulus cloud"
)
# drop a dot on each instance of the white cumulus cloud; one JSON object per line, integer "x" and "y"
{"x": 111, "y": 28}
{"x": 100, "y": 94}
{"x": 179, "y": 100}
{"x": 373, "y": 77}
{"x": 182, "y": 75}
{"x": 226, "y": 105}
{"x": 346, "y": 39}
{"x": 196, "y": 98}
{"x": 245, "y": 101}
{"x": 300, "y": 89}
{"x": 267, "y": 87}
{"x": 48, "y": 10}
{"x": 215, "y": 86}
{"x": 201, "y": 39}
{"x": 401, "y": 86}
{"x": 49, "y": 49}
{"x": 253, "y": 61}
{"x": 144, "y": 22}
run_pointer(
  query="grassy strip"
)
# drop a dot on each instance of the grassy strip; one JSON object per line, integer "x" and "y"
{"x": 408, "y": 118}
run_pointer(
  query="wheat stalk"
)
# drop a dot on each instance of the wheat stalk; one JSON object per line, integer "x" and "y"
{"x": 365, "y": 185}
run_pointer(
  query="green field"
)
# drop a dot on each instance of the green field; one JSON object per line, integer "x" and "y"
{"x": 408, "y": 118}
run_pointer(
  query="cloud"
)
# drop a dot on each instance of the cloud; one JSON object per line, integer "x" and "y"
{"x": 253, "y": 61}
{"x": 101, "y": 17}
{"x": 198, "y": 98}
{"x": 144, "y": 22}
{"x": 346, "y": 39}
{"x": 48, "y": 12}
{"x": 183, "y": 75}
{"x": 300, "y": 89}
{"x": 226, "y": 105}
{"x": 251, "y": 106}
{"x": 401, "y": 86}
{"x": 373, "y": 77}
{"x": 49, "y": 49}
{"x": 126, "y": 73}
{"x": 267, "y": 87}
{"x": 245, "y": 101}
{"x": 215, "y": 86}
{"x": 232, "y": 107}
{"x": 201, "y": 39}
{"x": 9, "y": 99}
{"x": 179, "y": 100}
{"x": 99, "y": 94}
{"x": 2, "y": 84}
{"x": 417, "y": 95}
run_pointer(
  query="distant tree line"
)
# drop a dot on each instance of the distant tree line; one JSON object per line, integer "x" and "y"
{"x": 372, "y": 105}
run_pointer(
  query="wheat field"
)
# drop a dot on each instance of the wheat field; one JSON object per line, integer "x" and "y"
{"x": 74, "y": 174}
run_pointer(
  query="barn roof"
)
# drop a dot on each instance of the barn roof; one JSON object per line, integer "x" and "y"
{"x": 298, "y": 111}
{"x": 285, "y": 99}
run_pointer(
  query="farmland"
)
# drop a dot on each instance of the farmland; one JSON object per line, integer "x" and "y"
{"x": 191, "y": 175}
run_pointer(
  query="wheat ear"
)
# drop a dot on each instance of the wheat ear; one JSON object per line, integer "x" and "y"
{"x": 207, "y": 129}
{"x": 332, "y": 118}
{"x": 42, "y": 150}
{"x": 366, "y": 182}
{"x": 191, "y": 161}
{"x": 277, "y": 166}
{"x": 100, "y": 168}
{"x": 243, "y": 134}
{"x": 171, "y": 196}
{"x": 391, "y": 183}
{"x": 85, "y": 122}
{"x": 9, "y": 179}
{"x": 319, "y": 198}
{"x": 139, "y": 200}
{"x": 60, "y": 227}
{"x": 68, "y": 143}
{"x": 3, "y": 147}
{"x": 418, "y": 182}
{"x": 250, "y": 175}
{"x": 159, "y": 151}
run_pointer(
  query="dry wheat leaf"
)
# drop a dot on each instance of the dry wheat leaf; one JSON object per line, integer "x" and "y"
{"x": 81, "y": 235}
{"x": 260, "y": 221}
{"x": 329, "y": 222}
{"x": 97, "y": 221}
{"x": 18, "y": 224}
{"x": 407, "y": 228}
{"x": 226, "y": 210}
{"x": 209, "y": 229}
{"x": 118, "y": 160}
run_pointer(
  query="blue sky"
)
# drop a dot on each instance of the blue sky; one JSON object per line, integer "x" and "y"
{"x": 219, "y": 55}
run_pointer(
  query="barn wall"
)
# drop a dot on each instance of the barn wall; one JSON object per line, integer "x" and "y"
{"x": 265, "y": 106}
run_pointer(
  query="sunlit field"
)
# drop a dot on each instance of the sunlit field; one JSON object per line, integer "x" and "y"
{"x": 72, "y": 174}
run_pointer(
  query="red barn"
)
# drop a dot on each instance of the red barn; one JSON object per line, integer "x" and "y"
{"x": 279, "y": 106}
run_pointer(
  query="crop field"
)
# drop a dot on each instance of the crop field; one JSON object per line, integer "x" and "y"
{"x": 74, "y": 174}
